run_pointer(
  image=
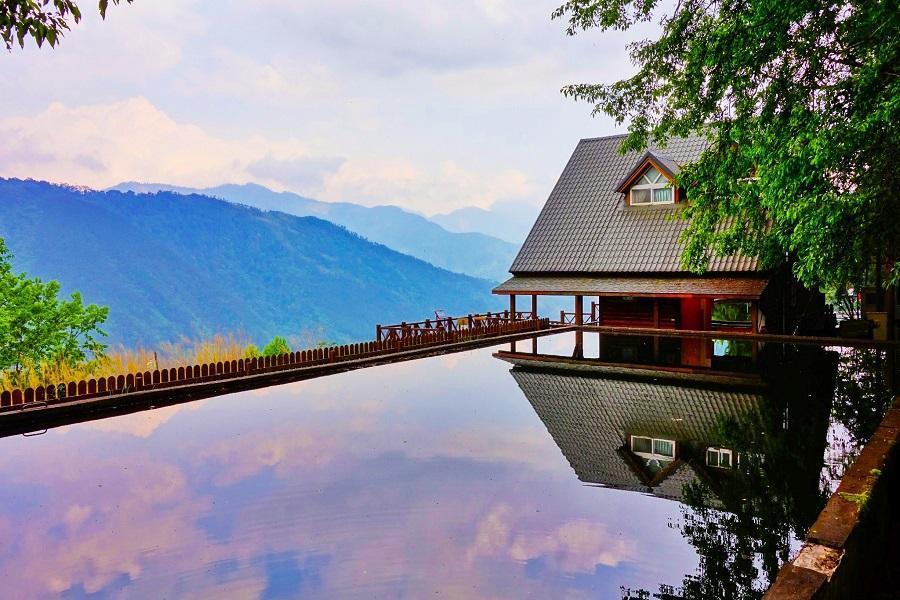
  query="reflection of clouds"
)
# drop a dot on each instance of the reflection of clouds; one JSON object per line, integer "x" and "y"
{"x": 286, "y": 451}
{"x": 120, "y": 520}
{"x": 373, "y": 487}
{"x": 498, "y": 444}
{"x": 140, "y": 424}
{"x": 492, "y": 533}
{"x": 576, "y": 546}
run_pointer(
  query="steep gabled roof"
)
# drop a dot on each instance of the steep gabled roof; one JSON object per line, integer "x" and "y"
{"x": 585, "y": 226}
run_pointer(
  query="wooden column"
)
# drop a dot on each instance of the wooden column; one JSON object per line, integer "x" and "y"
{"x": 754, "y": 316}
{"x": 579, "y": 333}
{"x": 534, "y": 313}
{"x": 891, "y": 309}
{"x": 512, "y": 306}
{"x": 656, "y": 313}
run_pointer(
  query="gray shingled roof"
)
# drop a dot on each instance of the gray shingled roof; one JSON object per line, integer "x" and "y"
{"x": 723, "y": 287}
{"x": 590, "y": 417}
{"x": 585, "y": 226}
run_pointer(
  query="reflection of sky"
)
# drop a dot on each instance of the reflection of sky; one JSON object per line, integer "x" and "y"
{"x": 414, "y": 479}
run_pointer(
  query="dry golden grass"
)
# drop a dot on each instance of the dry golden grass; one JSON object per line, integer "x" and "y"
{"x": 124, "y": 360}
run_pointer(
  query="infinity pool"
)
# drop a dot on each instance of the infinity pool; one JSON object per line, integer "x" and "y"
{"x": 641, "y": 466}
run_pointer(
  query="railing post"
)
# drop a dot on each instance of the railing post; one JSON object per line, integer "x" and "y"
{"x": 378, "y": 332}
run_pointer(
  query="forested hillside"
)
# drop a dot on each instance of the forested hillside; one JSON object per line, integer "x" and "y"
{"x": 171, "y": 265}
{"x": 467, "y": 252}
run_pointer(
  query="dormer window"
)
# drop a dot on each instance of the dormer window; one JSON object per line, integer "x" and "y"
{"x": 650, "y": 181}
{"x": 652, "y": 187}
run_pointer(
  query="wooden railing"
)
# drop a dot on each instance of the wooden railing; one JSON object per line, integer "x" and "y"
{"x": 186, "y": 375}
{"x": 467, "y": 323}
{"x": 568, "y": 318}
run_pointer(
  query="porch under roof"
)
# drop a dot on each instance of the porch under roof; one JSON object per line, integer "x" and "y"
{"x": 749, "y": 288}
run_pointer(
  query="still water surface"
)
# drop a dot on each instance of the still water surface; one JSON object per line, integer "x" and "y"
{"x": 651, "y": 466}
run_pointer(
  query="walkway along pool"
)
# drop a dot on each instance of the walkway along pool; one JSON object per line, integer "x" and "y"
{"x": 686, "y": 467}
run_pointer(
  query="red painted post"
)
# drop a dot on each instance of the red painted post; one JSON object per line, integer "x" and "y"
{"x": 579, "y": 310}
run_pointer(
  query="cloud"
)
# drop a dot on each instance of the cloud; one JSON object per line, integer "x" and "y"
{"x": 393, "y": 38}
{"x": 429, "y": 188}
{"x": 301, "y": 173}
{"x": 100, "y": 145}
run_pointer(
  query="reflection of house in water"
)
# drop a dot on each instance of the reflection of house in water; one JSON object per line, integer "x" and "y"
{"x": 638, "y": 433}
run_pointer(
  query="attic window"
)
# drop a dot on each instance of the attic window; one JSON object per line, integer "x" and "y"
{"x": 652, "y": 188}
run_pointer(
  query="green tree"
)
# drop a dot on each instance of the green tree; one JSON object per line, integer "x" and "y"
{"x": 43, "y": 20}
{"x": 37, "y": 327}
{"x": 801, "y": 103}
{"x": 277, "y": 346}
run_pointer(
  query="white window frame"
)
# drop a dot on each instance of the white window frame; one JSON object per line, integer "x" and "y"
{"x": 719, "y": 453}
{"x": 652, "y": 185}
{"x": 652, "y": 455}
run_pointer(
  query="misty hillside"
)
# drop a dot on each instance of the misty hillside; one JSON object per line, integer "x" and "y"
{"x": 171, "y": 265}
{"x": 470, "y": 253}
{"x": 509, "y": 221}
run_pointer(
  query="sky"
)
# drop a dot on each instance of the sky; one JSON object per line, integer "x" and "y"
{"x": 430, "y": 105}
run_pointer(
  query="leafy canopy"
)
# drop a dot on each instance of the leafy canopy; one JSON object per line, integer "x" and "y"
{"x": 801, "y": 103}
{"x": 36, "y": 327}
{"x": 43, "y": 20}
{"x": 277, "y": 346}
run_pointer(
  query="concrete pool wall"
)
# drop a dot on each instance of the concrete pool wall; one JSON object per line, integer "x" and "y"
{"x": 850, "y": 549}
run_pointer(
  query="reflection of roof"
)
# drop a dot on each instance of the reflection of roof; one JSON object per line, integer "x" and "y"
{"x": 589, "y": 418}
{"x": 737, "y": 287}
{"x": 585, "y": 226}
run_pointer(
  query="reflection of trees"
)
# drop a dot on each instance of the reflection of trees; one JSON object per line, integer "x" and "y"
{"x": 862, "y": 391}
{"x": 741, "y": 522}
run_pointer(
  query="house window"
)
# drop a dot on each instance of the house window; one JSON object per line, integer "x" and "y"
{"x": 722, "y": 458}
{"x": 652, "y": 188}
{"x": 652, "y": 447}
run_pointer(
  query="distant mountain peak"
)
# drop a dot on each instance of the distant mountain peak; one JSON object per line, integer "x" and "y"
{"x": 471, "y": 253}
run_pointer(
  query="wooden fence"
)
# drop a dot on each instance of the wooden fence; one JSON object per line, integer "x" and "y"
{"x": 223, "y": 370}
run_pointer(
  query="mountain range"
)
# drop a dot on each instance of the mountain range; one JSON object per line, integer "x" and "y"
{"x": 508, "y": 221}
{"x": 171, "y": 264}
{"x": 469, "y": 252}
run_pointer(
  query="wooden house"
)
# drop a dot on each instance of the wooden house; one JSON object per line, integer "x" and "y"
{"x": 610, "y": 233}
